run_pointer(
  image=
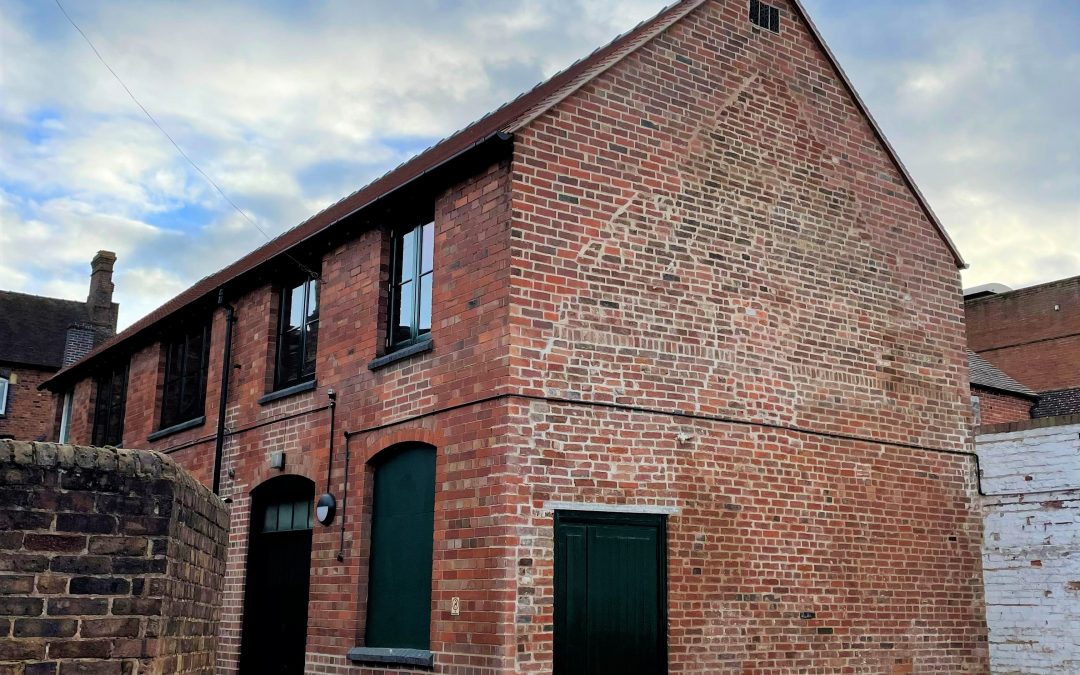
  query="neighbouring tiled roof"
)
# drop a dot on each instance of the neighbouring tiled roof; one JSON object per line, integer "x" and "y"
{"x": 33, "y": 328}
{"x": 1055, "y": 403}
{"x": 506, "y": 119}
{"x": 986, "y": 374}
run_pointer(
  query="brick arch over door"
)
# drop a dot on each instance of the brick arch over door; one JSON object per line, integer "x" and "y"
{"x": 421, "y": 432}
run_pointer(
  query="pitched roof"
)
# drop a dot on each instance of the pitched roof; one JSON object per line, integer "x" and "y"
{"x": 1056, "y": 403}
{"x": 500, "y": 123}
{"x": 33, "y": 328}
{"x": 985, "y": 374}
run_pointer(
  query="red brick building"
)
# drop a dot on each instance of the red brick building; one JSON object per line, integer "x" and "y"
{"x": 1033, "y": 335}
{"x": 995, "y": 397}
{"x": 659, "y": 367}
{"x": 38, "y": 336}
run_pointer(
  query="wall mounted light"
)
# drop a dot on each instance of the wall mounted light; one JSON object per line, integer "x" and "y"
{"x": 325, "y": 509}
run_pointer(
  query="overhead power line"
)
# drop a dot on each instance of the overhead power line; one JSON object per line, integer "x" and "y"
{"x": 176, "y": 145}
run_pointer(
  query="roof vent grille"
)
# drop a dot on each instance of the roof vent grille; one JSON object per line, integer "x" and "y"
{"x": 765, "y": 15}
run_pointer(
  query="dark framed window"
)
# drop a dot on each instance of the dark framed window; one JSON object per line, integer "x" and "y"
{"x": 765, "y": 15}
{"x": 65, "y": 417}
{"x": 111, "y": 387}
{"x": 186, "y": 361}
{"x": 298, "y": 334}
{"x": 287, "y": 516}
{"x": 402, "y": 535}
{"x": 412, "y": 262}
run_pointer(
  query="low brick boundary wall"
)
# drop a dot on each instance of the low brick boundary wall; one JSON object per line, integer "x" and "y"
{"x": 111, "y": 562}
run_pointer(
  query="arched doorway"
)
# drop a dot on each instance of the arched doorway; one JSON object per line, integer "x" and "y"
{"x": 278, "y": 569}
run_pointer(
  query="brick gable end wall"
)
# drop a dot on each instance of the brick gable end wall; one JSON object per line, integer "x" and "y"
{"x": 711, "y": 229}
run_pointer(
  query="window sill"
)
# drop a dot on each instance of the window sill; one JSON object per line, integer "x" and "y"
{"x": 288, "y": 391}
{"x": 177, "y": 428}
{"x": 405, "y": 657}
{"x": 402, "y": 354}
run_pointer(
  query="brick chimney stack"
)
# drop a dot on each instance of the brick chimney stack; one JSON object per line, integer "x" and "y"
{"x": 100, "y": 307}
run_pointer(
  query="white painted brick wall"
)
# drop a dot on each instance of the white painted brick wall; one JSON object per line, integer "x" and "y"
{"x": 1031, "y": 549}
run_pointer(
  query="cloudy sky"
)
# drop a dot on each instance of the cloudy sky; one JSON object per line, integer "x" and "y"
{"x": 290, "y": 106}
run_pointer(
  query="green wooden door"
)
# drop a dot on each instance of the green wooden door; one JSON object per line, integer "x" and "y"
{"x": 610, "y": 594}
{"x": 402, "y": 533}
{"x": 278, "y": 571}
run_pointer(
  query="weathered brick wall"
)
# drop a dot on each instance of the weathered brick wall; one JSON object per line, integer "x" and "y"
{"x": 1031, "y": 474}
{"x": 1044, "y": 366}
{"x": 1033, "y": 334}
{"x": 30, "y": 412}
{"x": 112, "y": 562}
{"x": 711, "y": 228}
{"x": 878, "y": 542}
{"x": 997, "y": 407}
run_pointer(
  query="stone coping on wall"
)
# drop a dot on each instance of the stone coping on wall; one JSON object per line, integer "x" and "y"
{"x": 122, "y": 461}
{"x": 140, "y": 463}
{"x": 1026, "y": 425}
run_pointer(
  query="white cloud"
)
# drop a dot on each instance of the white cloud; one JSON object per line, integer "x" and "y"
{"x": 289, "y": 108}
{"x": 982, "y": 112}
{"x": 287, "y": 111}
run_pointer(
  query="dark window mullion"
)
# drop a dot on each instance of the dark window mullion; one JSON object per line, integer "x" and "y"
{"x": 395, "y": 291}
{"x": 280, "y": 376}
{"x": 414, "y": 323}
{"x": 302, "y": 356}
{"x": 182, "y": 379}
{"x": 204, "y": 357}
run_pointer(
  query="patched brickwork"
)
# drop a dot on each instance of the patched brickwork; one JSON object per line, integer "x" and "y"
{"x": 1031, "y": 474}
{"x": 712, "y": 229}
{"x": 878, "y": 542}
{"x": 111, "y": 562}
{"x": 713, "y": 226}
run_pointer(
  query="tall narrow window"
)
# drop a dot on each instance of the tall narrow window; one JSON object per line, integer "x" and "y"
{"x": 410, "y": 285}
{"x": 65, "y": 418}
{"x": 111, "y": 387}
{"x": 298, "y": 334}
{"x": 402, "y": 532}
{"x": 186, "y": 361}
{"x": 3, "y": 395}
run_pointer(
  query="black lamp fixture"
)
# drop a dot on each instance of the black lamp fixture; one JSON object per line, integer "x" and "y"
{"x": 325, "y": 509}
{"x": 326, "y": 506}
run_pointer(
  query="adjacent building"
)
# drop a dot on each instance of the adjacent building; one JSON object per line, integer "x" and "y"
{"x": 39, "y": 336}
{"x": 1033, "y": 336}
{"x": 657, "y": 368}
{"x": 996, "y": 398}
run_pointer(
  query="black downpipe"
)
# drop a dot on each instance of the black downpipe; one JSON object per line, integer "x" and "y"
{"x": 226, "y": 369}
{"x": 344, "y": 497}
{"x": 332, "y": 395}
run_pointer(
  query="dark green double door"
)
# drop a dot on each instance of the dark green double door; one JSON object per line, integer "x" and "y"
{"x": 610, "y": 594}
